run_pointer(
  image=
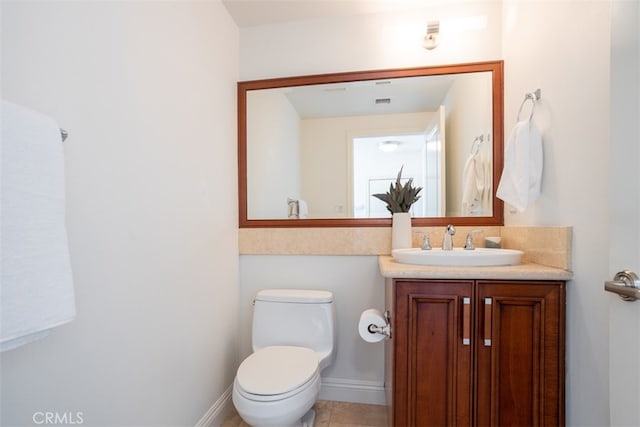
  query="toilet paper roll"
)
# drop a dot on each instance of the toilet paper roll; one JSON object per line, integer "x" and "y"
{"x": 371, "y": 317}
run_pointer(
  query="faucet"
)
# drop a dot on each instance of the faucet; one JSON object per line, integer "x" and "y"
{"x": 447, "y": 241}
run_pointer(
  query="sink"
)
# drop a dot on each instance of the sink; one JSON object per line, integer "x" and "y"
{"x": 458, "y": 257}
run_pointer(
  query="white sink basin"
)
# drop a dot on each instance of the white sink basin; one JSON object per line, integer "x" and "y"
{"x": 458, "y": 257}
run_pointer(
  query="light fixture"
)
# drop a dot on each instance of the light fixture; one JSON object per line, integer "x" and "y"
{"x": 388, "y": 145}
{"x": 433, "y": 35}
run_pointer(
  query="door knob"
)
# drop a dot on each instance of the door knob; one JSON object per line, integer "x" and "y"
{"x": 626, "y": 284}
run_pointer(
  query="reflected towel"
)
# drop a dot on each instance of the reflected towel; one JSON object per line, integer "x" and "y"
{"x": 304, "y": 209}
{"x": 36, "y": 289}
{"x": 522, "y": 174}
{"x": 473, "y": 185}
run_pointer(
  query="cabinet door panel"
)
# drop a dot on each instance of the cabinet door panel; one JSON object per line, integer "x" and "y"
{"x": 519, "y": 372}
{"x": 433, "y": 363}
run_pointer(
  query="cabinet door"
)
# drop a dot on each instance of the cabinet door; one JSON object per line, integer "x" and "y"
{"x": 433, "y": 347}
{"x": 520, "y": 353}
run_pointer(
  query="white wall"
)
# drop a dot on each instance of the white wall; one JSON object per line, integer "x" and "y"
{"x": 273, "y": 140}
{"x": 368, "y": 42}
{"x": 469, "y": 115}
{"x": 348, "y": 44}
{"x": 146, "y": 91}
{"x": 553, "y": 46}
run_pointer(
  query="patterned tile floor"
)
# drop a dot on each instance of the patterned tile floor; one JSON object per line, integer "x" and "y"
{"x": 336, "y": 414}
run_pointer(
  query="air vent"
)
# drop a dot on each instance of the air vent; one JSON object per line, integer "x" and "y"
{"x": 383, "y": 101}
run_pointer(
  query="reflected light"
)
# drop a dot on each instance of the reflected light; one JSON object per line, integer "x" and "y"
{"x": 388, "y": 146}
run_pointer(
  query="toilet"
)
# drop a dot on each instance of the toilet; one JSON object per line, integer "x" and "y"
{"x": 293, "y": 340}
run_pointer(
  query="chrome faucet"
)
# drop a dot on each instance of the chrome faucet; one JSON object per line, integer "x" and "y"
{"x": 447, "y": 240}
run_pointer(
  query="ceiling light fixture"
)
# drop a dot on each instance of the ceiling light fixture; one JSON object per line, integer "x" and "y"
{"x": 388, "y": 145}
{"x": 432, "y": 37}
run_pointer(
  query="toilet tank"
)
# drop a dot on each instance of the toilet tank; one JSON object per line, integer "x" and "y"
{"x": 296, "y": 317}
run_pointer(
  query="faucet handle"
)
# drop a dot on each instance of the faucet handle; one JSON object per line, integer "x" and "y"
{"x": 468, "y": 245}
{"x": 426, "y": 243}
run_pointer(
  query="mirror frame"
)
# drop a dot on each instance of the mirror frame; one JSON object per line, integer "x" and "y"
{"x": 497, "y": 69}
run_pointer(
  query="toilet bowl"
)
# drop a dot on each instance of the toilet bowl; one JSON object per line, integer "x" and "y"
{"x": 293, "y": 339}
{"x": 277, "y": 386}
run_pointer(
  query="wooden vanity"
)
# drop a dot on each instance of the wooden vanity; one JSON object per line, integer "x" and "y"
{"x": 475, "y": 345}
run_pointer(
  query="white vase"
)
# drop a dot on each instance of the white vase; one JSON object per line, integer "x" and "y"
{"x": 401, "y": 230}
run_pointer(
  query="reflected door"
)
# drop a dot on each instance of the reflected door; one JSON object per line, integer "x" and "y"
{"x": 377, "y": 159}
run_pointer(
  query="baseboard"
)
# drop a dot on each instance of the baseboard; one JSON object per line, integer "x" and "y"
{"x": 219, "y": 411}
{"x": 342, "y": 390}
{"x": 357, "y": 391}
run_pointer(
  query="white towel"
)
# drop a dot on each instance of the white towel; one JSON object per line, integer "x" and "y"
{"x": 304, "y": 209}
{"x": 36, "y": 288}
{"x": 473, "y": 185}
{"x": 522, "y": 174}
{"x": 487, "y": 202}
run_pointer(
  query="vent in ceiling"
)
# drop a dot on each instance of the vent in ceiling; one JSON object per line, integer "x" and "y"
{"x": 383, "y": 101}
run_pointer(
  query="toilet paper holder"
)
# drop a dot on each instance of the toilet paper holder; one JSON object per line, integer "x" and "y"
{"x": 382, "y": 330}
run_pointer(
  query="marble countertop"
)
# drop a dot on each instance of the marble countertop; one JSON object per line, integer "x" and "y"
{"x": 526, "y": 271}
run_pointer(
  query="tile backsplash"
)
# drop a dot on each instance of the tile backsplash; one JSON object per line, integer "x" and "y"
{"x": 549, "y": 246}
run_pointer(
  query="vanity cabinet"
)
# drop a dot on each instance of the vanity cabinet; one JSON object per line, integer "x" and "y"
{"x": 476, "y": 352}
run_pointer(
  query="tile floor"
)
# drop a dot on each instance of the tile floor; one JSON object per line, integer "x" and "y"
{"x": 336, "y": 414}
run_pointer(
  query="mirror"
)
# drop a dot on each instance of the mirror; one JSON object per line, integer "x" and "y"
{"x": 312, "y": 149}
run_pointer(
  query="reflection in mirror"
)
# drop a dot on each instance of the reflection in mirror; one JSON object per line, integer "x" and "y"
{"x": 315, "y": 149}
{"x": 375, "y": 161}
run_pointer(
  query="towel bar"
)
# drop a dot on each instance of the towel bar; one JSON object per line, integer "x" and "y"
{"x": 534, "y": 97}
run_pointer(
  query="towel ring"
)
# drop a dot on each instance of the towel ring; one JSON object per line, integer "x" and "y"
{"x": 475, "y": 145}
{"x": 534, "y": 97}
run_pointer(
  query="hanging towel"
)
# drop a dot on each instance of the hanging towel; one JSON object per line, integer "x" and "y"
{"x": 473, "y": 185}
{"x": 487, "y": 202}
{"x": 522, "y": 174}
{"x": 36, "y": 288}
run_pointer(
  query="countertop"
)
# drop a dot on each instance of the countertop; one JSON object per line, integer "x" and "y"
{"x": 527, "y": 271}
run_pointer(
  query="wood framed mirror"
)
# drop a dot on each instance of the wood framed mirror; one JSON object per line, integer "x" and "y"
{"x": 313, "y": 149}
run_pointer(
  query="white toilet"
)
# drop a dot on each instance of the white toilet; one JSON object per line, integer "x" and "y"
{"x": 293, "y": 340}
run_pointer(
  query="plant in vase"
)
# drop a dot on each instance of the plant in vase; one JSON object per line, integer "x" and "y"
{"x": 399, "y": 199}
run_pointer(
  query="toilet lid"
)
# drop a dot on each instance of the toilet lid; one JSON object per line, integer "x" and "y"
{"x": 277, "y": 370}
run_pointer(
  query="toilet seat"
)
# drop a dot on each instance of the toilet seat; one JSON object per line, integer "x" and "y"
{"x": 277, "y": 372}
